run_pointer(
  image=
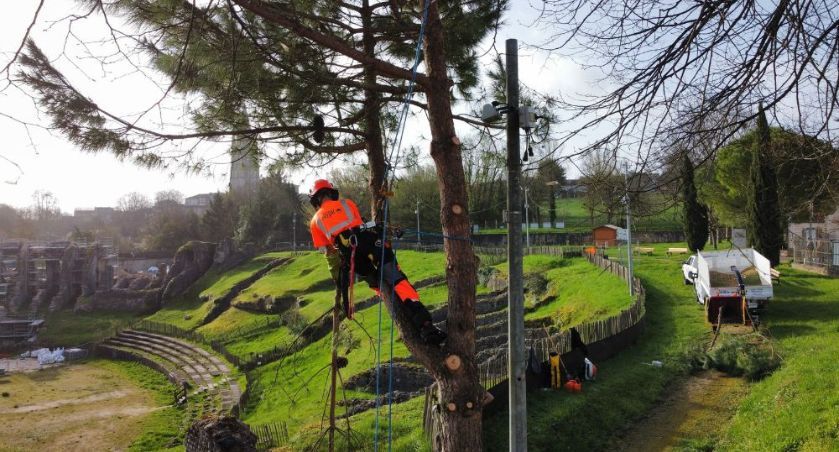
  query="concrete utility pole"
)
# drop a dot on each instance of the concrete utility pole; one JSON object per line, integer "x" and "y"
{"x": 515, "y": 312}
{"x": 628, "y": 229}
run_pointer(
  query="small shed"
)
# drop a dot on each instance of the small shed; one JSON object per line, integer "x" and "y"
{"x": 605, "y": 235}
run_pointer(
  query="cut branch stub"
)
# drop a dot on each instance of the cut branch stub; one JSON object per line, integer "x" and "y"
{"x": 453, "y": 362}
{"x": 457, "y": 209}
{"x": 451, "y": 406}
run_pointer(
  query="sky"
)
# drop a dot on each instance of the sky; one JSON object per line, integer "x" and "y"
{"x": 34, "y": 159}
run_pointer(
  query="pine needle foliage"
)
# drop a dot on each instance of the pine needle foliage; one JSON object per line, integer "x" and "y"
{"x": 695, "y": 214}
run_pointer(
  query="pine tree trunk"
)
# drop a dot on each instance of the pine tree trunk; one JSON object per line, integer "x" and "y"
{"x": 372, "y": 124}
{"x": 460, "y": 390}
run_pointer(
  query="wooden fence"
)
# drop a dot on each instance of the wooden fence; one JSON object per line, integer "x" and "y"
{"x": 494, "y": 371}
{"x": 270, "y": 435}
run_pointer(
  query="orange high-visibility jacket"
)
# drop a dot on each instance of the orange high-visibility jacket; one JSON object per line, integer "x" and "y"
{"x": 331, "y": 219}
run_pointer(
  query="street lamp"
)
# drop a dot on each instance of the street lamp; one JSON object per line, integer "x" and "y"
{"x": 552, "y": 192}
{"x": 626, "y": 200}
{"x": 527, "y": 217}
{"x": 419, "y": 234}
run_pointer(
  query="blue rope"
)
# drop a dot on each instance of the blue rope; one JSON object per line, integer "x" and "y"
{"x": 390, "y": 365}
{"x": 394, "y": 154}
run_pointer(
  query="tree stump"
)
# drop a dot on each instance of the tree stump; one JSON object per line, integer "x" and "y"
{"x": 220, "y": 434}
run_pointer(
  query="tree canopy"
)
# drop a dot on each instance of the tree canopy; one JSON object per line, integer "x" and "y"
{"x": 806, "y": 167}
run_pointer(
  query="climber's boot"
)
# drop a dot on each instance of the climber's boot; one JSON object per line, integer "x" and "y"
{"x": 432, "y": 335}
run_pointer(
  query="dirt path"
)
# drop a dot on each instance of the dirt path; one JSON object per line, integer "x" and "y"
{"x": 72, "y": 407}
{"x": 695, "y": 409}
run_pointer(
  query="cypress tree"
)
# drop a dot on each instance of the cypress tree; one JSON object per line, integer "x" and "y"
{"x": 764, "y": 212}
{"x": 695, "y": 213}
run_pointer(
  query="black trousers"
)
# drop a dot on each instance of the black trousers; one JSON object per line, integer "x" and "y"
{"x": 374, "y": 262}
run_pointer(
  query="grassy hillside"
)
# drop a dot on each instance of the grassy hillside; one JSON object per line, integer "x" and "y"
{"x": 292, "y": 390}
{"x": 626, "y": 387}
{"x": 574, "y": 292}
{"x": 188, "y": 310}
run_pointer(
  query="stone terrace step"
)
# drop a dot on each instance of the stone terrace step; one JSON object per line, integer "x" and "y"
{"x": 193, "y": 349}
{"x": 196, "y": 371}
{"x": 174, "y": 372}
{"x": 213, "y": 366}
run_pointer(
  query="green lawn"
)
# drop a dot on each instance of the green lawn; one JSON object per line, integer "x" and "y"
{"x": 68, "y": 328}
{"x": 662, "y": 217}
{"x": 300, "y": 401}
{"x": 161, "y": 429}
{"x": 797, "y": 407}
{"x": 226, "y": 281}
{"x": 235, "y": 323}
{"x": 297, "y": 277}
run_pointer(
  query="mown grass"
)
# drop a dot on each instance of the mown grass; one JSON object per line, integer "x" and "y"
{"x": 302, "y": 377}
{"x": 227, "y": 280}
{"x": 304, "y": 272}
{"x": 68, "y": 328}
{"x": 626, "y": 387}
{"x": 161, "y": 428}
{"x": 300, "y": 401}
{"x": 797, "y": 407}
{"x": 576, "y": 217}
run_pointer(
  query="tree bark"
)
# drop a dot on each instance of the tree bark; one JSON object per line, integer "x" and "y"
{"x": 372, "y": 118}
{"x": 461, "y": 427}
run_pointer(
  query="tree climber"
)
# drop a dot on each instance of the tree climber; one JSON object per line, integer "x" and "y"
{"x": 352, "y": 247}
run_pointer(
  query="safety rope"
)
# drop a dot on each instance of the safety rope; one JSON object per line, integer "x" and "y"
{"x": 351, "y": 301}
{"x": 393, "y": 155}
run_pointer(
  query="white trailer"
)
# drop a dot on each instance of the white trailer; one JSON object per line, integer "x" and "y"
{"x": 732, "y": 285}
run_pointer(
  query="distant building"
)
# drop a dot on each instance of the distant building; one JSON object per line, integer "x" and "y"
{"x": 103, "y": 214}
{"x": 606, "y": 235}
{"x": 816, "y": 244}
{"x": 199, "y": 203}
{"x": 244, "y": 166}
{"x": 572, "y": 188}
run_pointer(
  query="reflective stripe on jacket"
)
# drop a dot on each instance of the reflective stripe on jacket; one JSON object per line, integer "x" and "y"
{"x": 331, "y": 219}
